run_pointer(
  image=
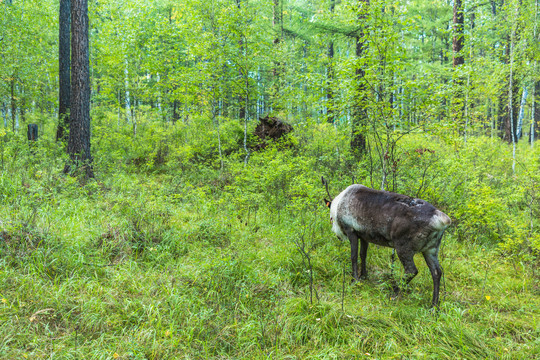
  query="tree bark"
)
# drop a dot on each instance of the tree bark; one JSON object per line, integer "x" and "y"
{"x": 502, "y": 108}
{"x": 514, "y": 88}
{"x": 359, "y": 112}
{"x": 519, "y": 128}
{"x": 493, "y": 7}
{"x": 512, "y": 95}
{"x": 241, "y": 98}
{"x": 32, "y": 132}
{"x": 22, "y": 106}
{"x": 330, "y": 75}
{"x": 277, "y": 24}
{"x": 535, "y": 116}
{"x": 458, "y": 41}
{"x": 64, "y": 84}
{"x": 458, "y": 101}
{"x": 4, "y": 114}
{"x": 175, "y": 114}
{"x": 13, "y": 103}
{"x": 510, "y": 105}
{"x": 536, "y": 112}
{"x": 79, "y": 128}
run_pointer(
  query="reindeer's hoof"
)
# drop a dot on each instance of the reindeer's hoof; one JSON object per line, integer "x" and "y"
{"x": 395, "y": 293}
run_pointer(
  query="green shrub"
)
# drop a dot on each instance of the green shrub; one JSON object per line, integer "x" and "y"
{"x": 210, "y": 232}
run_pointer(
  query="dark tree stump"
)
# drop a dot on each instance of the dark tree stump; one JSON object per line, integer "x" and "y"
{"x": 270, "y": 128}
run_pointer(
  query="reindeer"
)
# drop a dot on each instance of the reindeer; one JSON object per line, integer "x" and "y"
{"x": 406, "y": 224}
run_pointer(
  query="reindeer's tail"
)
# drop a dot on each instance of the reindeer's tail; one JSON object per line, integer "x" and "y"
{"x": 440, "y": 220}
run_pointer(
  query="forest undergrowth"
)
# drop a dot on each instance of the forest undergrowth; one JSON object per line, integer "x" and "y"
{"x": 166, "y": 255}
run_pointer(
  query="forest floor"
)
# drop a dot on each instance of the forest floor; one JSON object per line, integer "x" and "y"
{"x": 164, "y": 266}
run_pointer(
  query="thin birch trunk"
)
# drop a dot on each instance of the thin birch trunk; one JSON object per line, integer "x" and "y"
{"x": 533, "y": 111}
{"x": 521, "y": 112}
{"x": 4, "y": 114}
{"x": 128, "y": 105}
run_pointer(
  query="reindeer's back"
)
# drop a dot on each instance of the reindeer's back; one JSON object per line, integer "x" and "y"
{"x": 382, "y": 217}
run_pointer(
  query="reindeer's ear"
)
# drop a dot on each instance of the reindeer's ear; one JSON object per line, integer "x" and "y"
{"x": 328, "y": 203}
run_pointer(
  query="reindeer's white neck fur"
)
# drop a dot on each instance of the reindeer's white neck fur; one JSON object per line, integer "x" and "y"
{"x": 333, "y": 213}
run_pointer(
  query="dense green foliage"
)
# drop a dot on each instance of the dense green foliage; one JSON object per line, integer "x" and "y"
{"x": 174, "y": 58}
{"x": 194, "y": 242}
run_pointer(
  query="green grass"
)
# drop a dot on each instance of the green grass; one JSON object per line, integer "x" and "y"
{"x": 193, "y": 266}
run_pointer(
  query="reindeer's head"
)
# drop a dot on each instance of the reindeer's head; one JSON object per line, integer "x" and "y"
{"x": 327, "y": 202}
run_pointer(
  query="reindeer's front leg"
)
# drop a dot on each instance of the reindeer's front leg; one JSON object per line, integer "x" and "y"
{"x": 363, "y": 254}
{"x": 353, "y": 238}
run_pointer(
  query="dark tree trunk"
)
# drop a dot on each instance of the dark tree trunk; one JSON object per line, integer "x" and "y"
{"x": 493, "y": 8}
{"x": 458, "y": 101}
{"x": 516, "y": 98}
{"x": 359, "y": 112}
{"x": 241, "y": 105}
{"x": 536, "y": 115}
{"x": 329, "y": 90}
{"x": 241, "y": 98}
{"x": 64, "y": 86}
{"x": 277, "y": 24}
{"x": 175, "y": 114}
{"x": 4, "y": 113}
{"x": 330, "y": 76}
{"x": 502, "y": 107}
{"x": 32, "y": 132}
{"x": 79, "y": 127}
{"x": 513, "y": 90}
{"x": 458, "y": 41}
{"x": 278, "y": 28}
{"x": 501, "y": 113}
{"x": 22, "y": 107}
{"x": 535, "y": 118}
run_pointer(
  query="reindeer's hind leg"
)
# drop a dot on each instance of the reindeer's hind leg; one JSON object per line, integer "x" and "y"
{"x": 407, "y": 259}
{"x": 432, "y": 262}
